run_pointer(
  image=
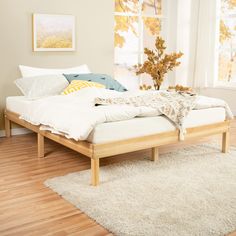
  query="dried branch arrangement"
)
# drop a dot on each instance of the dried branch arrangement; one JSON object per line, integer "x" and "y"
{"x": 158, "y": 63}
{"x": 180, "y": 88}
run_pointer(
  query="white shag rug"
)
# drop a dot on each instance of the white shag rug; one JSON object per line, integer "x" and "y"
{"x": 187, "y": 192}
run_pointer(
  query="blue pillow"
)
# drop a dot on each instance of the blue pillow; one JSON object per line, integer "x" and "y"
{"x": 98, "y": 78}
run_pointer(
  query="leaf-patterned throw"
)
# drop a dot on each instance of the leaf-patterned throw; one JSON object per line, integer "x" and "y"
{"x": 175, "y": 106}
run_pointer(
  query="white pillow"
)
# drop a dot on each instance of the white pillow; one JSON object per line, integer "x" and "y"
{"x": 27, "y": 71}
{"x": 42, "y": 86}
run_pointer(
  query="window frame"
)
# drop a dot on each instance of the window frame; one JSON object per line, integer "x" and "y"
{"x": 140, "y": 15}
{"x": 219, "y": 16}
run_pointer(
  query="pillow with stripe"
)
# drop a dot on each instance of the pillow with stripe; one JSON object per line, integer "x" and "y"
{"x": 77, "y": 85}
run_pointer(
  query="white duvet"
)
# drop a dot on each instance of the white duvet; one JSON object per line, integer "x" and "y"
{"x": 75, "y": 115}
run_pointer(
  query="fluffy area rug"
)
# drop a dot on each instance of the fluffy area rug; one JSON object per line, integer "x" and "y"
{"x": 188, "y": 192}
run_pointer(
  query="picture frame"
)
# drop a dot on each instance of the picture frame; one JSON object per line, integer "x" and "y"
{"x": 53, "y": 32}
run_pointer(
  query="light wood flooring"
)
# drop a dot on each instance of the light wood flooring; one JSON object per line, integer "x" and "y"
{"x": 27, "y": 207}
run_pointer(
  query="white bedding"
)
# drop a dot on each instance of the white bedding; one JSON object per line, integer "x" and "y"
{"x": 60, "y": 118}
{"x": 17, "y": 104}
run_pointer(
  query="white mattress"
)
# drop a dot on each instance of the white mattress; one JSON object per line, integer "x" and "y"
{"x": 141, "y": 126}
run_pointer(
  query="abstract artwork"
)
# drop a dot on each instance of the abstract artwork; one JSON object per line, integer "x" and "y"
{"x": 53, "y": 32}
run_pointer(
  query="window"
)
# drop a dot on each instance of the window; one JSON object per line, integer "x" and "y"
{"x": 227, "y": 43}
{"x": 137, "y": 23}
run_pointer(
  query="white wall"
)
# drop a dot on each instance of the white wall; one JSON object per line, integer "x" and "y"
{"x": 94, "y": 39}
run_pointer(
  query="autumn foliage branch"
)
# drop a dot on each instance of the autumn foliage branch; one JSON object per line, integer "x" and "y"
{"x": 158, "y": 63}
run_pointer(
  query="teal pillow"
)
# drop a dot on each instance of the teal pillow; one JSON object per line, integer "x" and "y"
{"x": 98, "y": 78}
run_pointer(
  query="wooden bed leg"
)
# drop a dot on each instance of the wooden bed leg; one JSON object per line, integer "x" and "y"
{"x": 95, "y": 171}
{"x": 155, "y": 154}
{"x": 7, "y": 127}
{"x": 225, "y": 142}
{"x": 40, "y": 145}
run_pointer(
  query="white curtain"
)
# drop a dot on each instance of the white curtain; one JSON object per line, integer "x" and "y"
{"x": 205, "y": 44}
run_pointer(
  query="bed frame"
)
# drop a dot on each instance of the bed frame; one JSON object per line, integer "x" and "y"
{"x": 97, "y": 151}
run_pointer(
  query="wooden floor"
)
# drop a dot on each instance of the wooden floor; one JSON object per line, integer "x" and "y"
{"x": 27, "y": 207}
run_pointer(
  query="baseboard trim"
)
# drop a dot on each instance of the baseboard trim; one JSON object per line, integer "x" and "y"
{"x": 16, "y": 131}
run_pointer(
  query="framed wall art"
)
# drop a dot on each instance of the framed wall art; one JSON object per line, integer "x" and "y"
{"x": 53, "y": 32}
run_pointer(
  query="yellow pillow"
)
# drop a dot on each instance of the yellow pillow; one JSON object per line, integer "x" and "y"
{"x": 76, "y": 85}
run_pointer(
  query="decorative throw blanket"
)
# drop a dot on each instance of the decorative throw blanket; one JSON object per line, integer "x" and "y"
{"x": 175, "y": 106}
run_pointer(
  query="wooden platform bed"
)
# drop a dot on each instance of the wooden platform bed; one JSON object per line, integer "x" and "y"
{"x": 97, "y": 151}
